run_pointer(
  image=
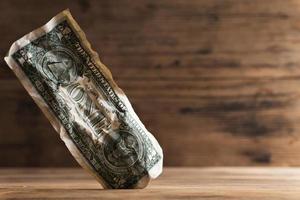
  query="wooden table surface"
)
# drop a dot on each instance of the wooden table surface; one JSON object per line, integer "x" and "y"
{"x": 175, "y": 183}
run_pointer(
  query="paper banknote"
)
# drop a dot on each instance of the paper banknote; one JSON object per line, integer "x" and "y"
{"x": 76, "y": 92}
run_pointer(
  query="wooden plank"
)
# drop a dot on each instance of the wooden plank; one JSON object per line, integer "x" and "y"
{"x": 175, "y": 183}
{"x": 218, "y": 78}
{"x": 253, "y": 129}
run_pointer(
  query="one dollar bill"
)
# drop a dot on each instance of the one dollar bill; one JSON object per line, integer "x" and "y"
{"x": 64, "y": 76}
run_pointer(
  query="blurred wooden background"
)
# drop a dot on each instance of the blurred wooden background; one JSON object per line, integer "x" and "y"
{"x": 216, "y": 81}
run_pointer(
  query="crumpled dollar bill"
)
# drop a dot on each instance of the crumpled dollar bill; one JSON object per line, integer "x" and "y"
{"x": 64, "y": 76}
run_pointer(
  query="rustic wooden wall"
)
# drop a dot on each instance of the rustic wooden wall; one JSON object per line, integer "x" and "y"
{"x": 216, "y": 81}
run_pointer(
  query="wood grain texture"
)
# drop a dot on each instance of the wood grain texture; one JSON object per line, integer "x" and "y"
{"x": 217, "y": 82}
{"x": 175, "y": 183}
